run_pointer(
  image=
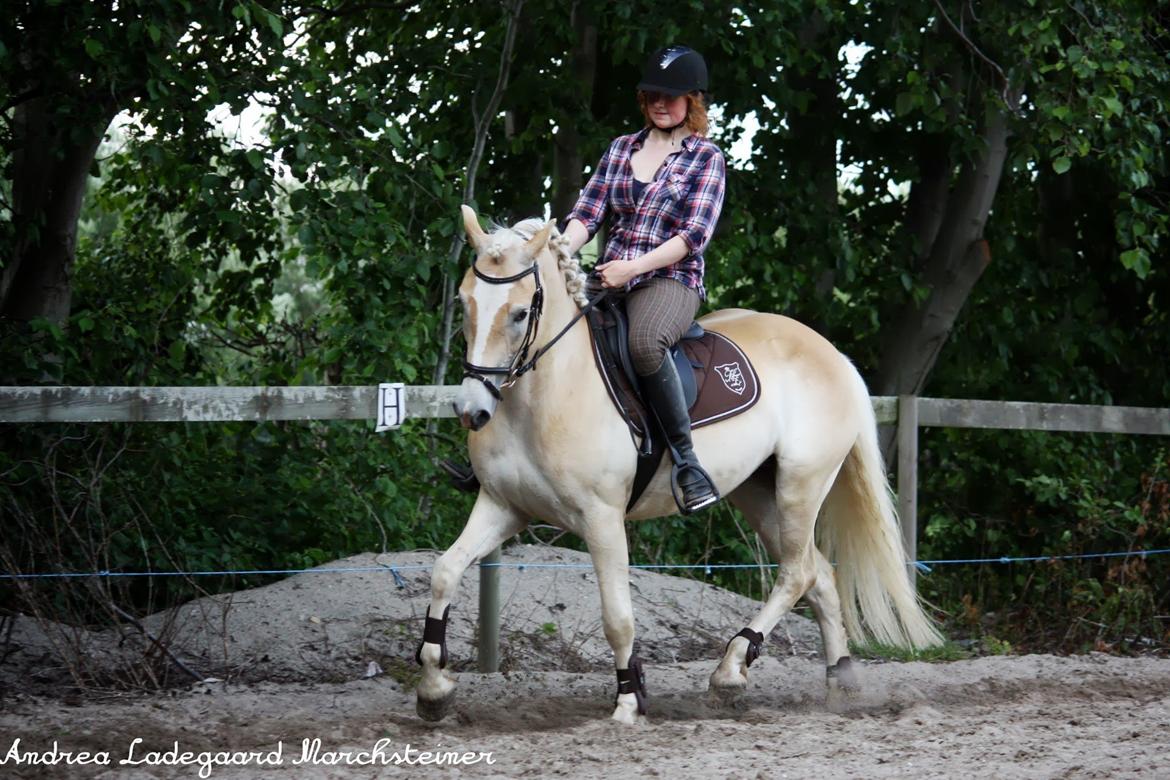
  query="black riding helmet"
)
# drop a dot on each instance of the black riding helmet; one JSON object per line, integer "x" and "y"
{"x": 675, "y": 70}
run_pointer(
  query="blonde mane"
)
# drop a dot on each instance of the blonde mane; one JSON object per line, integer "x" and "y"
{"x": 558, "y": 244}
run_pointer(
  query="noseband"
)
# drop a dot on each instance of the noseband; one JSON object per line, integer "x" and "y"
{"x": 518, "y": 366}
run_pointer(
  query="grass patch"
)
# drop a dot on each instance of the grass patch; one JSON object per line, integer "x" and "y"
{"x": 405, "y": 673}
{"x": 950, "y": 651}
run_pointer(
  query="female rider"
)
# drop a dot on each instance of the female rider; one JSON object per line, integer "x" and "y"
{"x": 662, "y": 190}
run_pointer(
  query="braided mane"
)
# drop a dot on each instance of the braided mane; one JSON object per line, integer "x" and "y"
{"x": 558, "y": 244}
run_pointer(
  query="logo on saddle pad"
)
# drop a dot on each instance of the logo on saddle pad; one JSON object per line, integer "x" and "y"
{"x": 732, "y": 377}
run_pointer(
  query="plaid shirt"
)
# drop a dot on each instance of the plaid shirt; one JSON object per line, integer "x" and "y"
{"x": 684, "y": 200}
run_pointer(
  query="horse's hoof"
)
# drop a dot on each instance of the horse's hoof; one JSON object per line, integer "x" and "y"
{"x": 627, "y": 716}
{"x": 434, "y": 710}
{"x": 838, "y": 698}
{"x": 842, "y": 686}
{"x": 728, "y": 696}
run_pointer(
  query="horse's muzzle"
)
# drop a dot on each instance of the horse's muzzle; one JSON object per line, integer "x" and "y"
{"x": 474, "y": 420}
{"x": 474, "y": 405}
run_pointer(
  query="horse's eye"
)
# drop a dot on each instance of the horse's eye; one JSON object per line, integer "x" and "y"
{"x": 520, "y": 316}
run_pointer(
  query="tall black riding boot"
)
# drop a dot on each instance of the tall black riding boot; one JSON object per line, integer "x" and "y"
{"x": 664, "y": 391}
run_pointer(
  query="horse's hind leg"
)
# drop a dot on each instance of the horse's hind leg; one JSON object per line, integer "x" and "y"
{"x": 488, "y": 526}
{"x": 784, "y": 515}
{"x": 826, "y": 604}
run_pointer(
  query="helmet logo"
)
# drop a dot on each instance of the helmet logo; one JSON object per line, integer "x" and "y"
{"x": 670, "y": 55}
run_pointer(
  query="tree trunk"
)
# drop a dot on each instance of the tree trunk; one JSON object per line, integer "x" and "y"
{"x": 927, "y": 204}
{"x": 50, "y": 168}
{"x": 956, "y": 260}
{"x": 811, "y": 158}
{"x": 525, "y": 171}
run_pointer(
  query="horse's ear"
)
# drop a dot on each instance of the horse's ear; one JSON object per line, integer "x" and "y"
{"x": 537, "y": 242}
{"x": 475, "y": 234}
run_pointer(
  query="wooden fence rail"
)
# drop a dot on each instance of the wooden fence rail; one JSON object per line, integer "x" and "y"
{"x": 211, "y": 404}
{"x": 913, "y": 413}
{"x": 256, "y": 404}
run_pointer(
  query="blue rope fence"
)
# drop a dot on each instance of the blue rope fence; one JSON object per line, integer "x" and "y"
{"x": 925, "y": 566}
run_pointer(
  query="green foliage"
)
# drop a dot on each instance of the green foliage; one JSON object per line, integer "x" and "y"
{"x": 996, "y": 646}
{"x": 317, "y": 249}
{"x": 1054, "y": 497}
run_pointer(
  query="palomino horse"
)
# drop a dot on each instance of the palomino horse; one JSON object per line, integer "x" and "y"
{"x": 549, "y": 444}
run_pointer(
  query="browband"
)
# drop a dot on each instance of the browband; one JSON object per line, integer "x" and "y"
{"x": 504, "y": 279}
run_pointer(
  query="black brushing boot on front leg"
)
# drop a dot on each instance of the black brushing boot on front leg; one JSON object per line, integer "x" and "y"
{"x": 664, "y": 391}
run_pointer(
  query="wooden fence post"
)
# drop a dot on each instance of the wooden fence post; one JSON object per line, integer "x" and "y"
{"x": 489, "y": 612}
{"x": 908, "y": 477}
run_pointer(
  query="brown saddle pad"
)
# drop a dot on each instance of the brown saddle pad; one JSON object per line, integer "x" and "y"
{"x": 726, "y": 380}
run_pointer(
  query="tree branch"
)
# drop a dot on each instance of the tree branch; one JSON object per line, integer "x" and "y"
{"x": 1010, "y": 96}
{"x": 346, "y": 9}
{"x": 23, "y": 97}
{"x": 326, "y": 14}
{"x": 482, "y": 125}
{"x": 155, "y": 641}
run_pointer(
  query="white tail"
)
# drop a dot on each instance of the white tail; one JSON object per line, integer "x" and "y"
{"x": 858, "y": 530}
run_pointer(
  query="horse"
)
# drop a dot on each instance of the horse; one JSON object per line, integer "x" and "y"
{"x": 803, "y": 465}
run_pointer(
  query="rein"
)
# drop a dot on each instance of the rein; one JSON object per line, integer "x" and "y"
{"x": 520, "y": 365}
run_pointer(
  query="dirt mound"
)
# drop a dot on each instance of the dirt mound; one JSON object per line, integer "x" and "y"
{"x": 330, "y": 623}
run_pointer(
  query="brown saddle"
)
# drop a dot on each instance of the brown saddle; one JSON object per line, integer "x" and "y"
{"x": 718, "y": 381}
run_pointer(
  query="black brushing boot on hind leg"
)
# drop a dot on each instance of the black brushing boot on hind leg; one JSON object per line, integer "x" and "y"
{"x": 664, "y": 391}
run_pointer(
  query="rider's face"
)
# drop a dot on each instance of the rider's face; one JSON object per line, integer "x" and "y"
{"x": 666, "y": 111}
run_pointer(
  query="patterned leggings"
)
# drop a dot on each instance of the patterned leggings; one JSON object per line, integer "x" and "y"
{"x": 660, "y": 311}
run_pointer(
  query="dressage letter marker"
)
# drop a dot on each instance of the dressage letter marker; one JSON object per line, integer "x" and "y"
{"x": 391, "y": 406}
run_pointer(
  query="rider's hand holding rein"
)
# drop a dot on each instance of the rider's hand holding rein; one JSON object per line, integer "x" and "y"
{"x": 616, "y": 274}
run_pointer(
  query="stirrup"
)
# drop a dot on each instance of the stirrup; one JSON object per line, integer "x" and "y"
{"x": 462, "y": 476}
{"x": 710, "y": 498}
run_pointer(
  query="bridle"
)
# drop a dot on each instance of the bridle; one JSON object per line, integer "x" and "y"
{"x": 516, "y": 366}
{"x": 520, "y": 364}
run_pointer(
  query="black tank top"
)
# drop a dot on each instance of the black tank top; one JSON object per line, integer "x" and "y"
{"x": 639, "y": 188}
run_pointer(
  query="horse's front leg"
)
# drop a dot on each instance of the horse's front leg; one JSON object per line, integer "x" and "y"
{"x": 611, "y": 561}
{"x": 488, "y": 526}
